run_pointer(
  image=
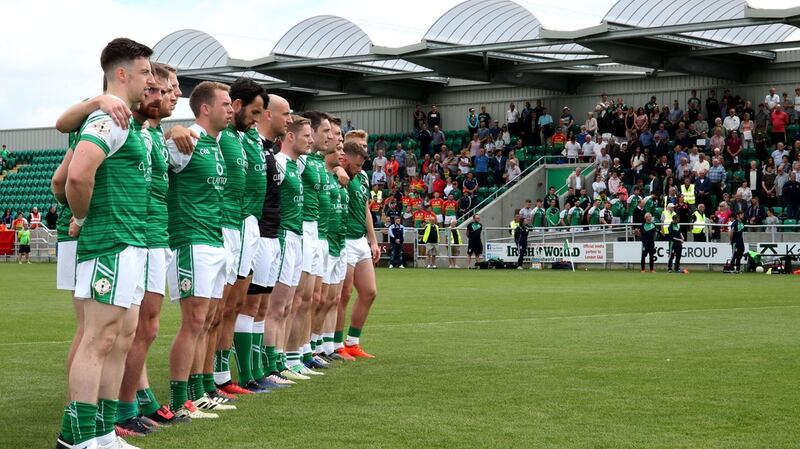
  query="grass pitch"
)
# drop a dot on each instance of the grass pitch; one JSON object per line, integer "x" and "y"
{"x": 486, "y": 359}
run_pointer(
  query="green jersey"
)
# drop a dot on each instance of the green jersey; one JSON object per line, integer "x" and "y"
{"x": 336, "y": 228}
{"x": 65, "y": 216}
{"x": 291, "y": 194}
{"x": 312, "y": 168}
{"x": 553, "y": 216}
{"x": 232, "y": 147}
{"x": 157, "y": 216}
{"x": 356, "y": 220}
{"x": 196, "y": 193}
{"x": 118, "y": 208}
{"x": 594, "y": 215}
{"x": 24, "y": 237}
{"x": 575, "y": 216}
{"x": 538, "y": 217}
{"x": 325, "y": 204}
{"x": 256, "y": 176}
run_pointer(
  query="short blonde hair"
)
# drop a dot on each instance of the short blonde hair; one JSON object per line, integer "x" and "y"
{"x": 356, "y": 134}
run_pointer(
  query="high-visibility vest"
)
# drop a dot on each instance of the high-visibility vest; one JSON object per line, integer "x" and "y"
{"x": 699, "y": 223}
{"x": 666, "y": 219}
{"x": 455, "y": 237}
{"x": 513, "y": 225}
{"x": 428, "y": 229}
{"x": 36, "y": 220}
{"x": 688, "y": 194}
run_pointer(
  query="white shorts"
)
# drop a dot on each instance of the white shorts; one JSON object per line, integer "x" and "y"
{"x": 267, "y": 262}
{"x": 196, "y": 270}
{"x": 158, "y": 259}
{"x": 324, "y": 252}
{"x": 439, "y": 218}
{"x": 312, "y": 250}
{"x": 232, "y": 242}
{"x": 336, "y": 270}
{"x": 357, "y": 250}
{"x": 66, "y": 260}
{"x": 449, "y": 219}
{"x": 291, "y": 259}
{"x": 250, "y": 238}
{"x": 114, "y": 279}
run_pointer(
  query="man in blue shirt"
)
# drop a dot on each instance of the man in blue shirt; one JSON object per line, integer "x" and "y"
{"x": 396, "y": 236}
{"x": 481, "y": 166}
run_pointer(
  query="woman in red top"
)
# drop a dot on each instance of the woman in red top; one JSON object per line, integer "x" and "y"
{"x": 392, "y": 168}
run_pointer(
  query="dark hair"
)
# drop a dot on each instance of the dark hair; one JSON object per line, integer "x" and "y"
{"x": 159, "y": 70}
{"x": 122, "y": 50}
{"x": 353, "y": 149}
{"x": 315, "y": 117}
{"x": 246, "y": 90}
{"x": 265, "y": 97}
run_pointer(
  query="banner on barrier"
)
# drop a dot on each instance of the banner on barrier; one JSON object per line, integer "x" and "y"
{"x": 693, "y": 252}
{"x": 549, "y": 252}
{"x": 779, "y": 249}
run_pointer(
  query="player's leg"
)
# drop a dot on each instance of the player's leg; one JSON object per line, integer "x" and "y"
{"x": 678, "y": 251}
{"x": 366, "y": 288}
{"x": 222, "y": 327}
{"x": 645, "y": 253}
{"x": 341, "y": 310}
{"x": 299, "y": 322}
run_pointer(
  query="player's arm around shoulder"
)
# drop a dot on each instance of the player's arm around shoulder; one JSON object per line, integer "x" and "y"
{"x": 178, "y": 158}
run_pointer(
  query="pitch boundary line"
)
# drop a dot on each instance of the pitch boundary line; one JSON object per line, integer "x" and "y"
{"x": 506, "y": 320}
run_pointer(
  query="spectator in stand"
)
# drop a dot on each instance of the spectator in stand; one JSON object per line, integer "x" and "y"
{"x": 466, "y": 204}
{"x": 380, "y": 160}
{"x": 614, "y": 183}
{"x": 701, "y": 165}
{"x": 525, "y": 119}
{"x": 483, "y": 134}
{"x": 747, "y": 129}
{"x": 606, "y": 217}
{"x": 641, "y": 121}
{"x": 24, "y": 240}
{"x": 587, "y": 151}
{"x": 703, "y": 189}
{"x": 418, "y": 117}
{"x": 753, "y": 177}
{"x": 428, "y": 179}
{"x": 51, "y": 218}
{"x": 779, "y": 153}
{"x": 464, "y": 161}
{"x": 772, "y": 100}
{"x": 379, "y": 176}
{"x": 392, "y": 171}
{"x": 682, "y": 134}
{"x": 495, "y": 131}
{"x": 411, "y": 165}
{"x": 796, "y": 104}
{"x": 8, "y": 219}
{"x": 572, "y": 148}
{"x": 771, "y": 221}
{"x": 559, "y": 138}
{"x": 434, "y": 118}
{"x": 497, "y": 164}
{"x": 598, "y": 186}
{"x": 474, "y": 241}
{"x": 791, "y": 197}
{"x": 470, "y": 185}
{"x": 731, "y": 122}
{"x": 437, "y": 139}
{"x": 601, "y": 156}
{"x": 576, "y": 180}
{"x": 552, "y": 215}
{"x": 512, "y": 120}
{"x": 768, "y": 187}
{"x": 675, "y": 114}
{"x": 424, "y": 138}
{"x": 36, "y": 218}
{"x": 741, "y": 198}
{"x": 439, "y": 185}
{"x": 779, "y": 121}
{"x": 472, "y": 122}
{"x": 781, "y": 178}
{"x": 721, "y": 217}
{"x": 546, "y": 125}
{"x": 591, "y": 124}
{"x": 712, "y": 105}
{"x": 396, "y": 237}
{"x": 566, "y": 121}
{"x": 350, "y": 127}
{"x": 19, "y": 223}
{"x": 638, "y": 161}
{"x": 485, "y": 118}
{"x": 717, "y": 176}
{"x": 514, "y": 172}
{"x": 380, "y": 145}
{"x": 755, "y": 214}
{"x": 474, "y": 145}
{"x": 481, "y": 163}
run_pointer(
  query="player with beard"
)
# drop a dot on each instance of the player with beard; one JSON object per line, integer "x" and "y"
{"x": 361, "y": 247}
{"x": 196, "y": 274}
{"x": 230, "y": 327}
{"x": 272, "y": 127}
{"x": 111, "y": 253}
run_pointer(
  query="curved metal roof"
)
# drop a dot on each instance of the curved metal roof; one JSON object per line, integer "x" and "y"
{"x": 484, "y": 21}
{"x": 190, "y": 49}
{"x": 645, "y": 13}
{"x": 323, "y": 37}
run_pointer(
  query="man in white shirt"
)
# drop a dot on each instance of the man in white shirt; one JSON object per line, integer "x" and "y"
{"x": 527, "y": 211}
{"x": 772, "y": 99}
{"x": 701, "y": 165}
{"x": 587, "y": 150}
{"x": 779, "y": 153}
{"x": 731, "y": 122}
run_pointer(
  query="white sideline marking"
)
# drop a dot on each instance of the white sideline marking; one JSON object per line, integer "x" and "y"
{"x": 571, "y": 317}
{"x": 436, "y": 323}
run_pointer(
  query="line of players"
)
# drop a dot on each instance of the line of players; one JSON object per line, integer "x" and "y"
{"x": 254, "y": 217}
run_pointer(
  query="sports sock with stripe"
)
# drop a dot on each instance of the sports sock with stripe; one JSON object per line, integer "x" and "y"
{"x": 126, "y": 411}
{"x": 196, "y": 388}
{"x": 83, "y": 420}
{"x": 104, "y": 421}
{"x": 327, "y": 343}
{"x": 306, "y": 350}
{"x": 178, "y": 393}
{"x": 272, "y": 360}
{"x": 208, "y": 383}
{"x": 66, "y": 427}
{"x": 256, "y": 361}
{"x": 148, "y": 404}
{"x": 338, "y": 339}
{"x": 222, "y": 366}
{"x": 243, "y": 346}
{"x": 353, "y": 335}
{"x": 292, "y": 359}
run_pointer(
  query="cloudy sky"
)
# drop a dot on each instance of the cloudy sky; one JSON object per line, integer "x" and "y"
{"x": 52, "y": 48}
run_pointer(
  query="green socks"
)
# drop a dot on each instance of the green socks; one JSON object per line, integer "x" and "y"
{"x": 292, "y": 358}
{"x": 126, "y": 411}
{"x": 196, "y": 388}
{"x": 353, "y": 335}
{"x": 338, "y": 339}
{"x": 208, "y": 383}
{"x": 83, "y": 421}
{"x": 243, "y": 345}
{"x": 66, "y": 426}
{"x": 256, "y": 361}
{"x": 178, "y": 393}
{"x": 148, "y": 404}
{"x": 106, "y": 415}
{"x": 222, "y": 366}
{"x": 272, "y": 359}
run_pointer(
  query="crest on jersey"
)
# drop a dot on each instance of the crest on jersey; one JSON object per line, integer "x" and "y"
{"x": 186, "y": 284}
{"x": 102, "y": 286}
{"x": 101, "y": 127}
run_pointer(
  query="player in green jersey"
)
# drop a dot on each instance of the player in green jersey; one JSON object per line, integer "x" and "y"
{"x": 196, "y": 274}
{"x": 111, "y": 251}
{"x": 335, "y": 264}
{"x": 362, "y": 247}
{"x": 298, "y": 141}
{"x": 312, "y": 166}
{"x": 538, "y": 215}
{"x": 232, "y": 325}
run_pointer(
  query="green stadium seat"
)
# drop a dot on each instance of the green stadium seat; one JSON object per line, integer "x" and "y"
{"x": 789, "y": 221}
